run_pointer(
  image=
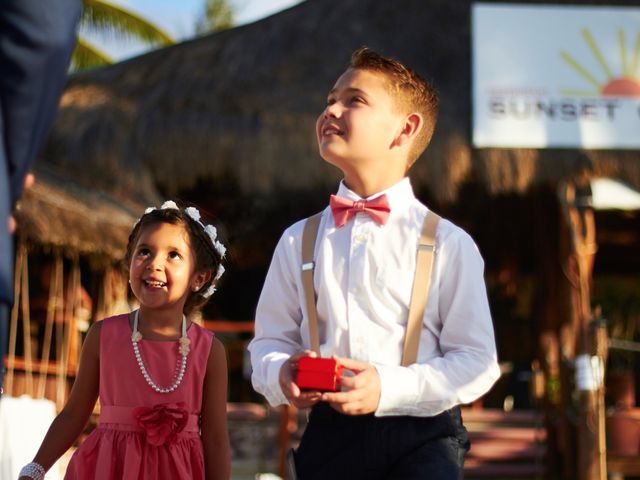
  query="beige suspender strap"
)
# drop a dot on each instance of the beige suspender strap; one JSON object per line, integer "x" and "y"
{"x": 309, "y": 235}
{"x": 420, "y": 291}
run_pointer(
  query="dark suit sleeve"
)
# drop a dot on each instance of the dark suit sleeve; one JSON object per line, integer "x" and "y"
{"x": 36, "y": 41}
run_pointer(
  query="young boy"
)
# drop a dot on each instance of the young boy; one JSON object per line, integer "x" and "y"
{"x": 388, "y": 421}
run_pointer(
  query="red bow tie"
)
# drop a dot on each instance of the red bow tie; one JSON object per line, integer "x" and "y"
{"x": 343, "y": 209}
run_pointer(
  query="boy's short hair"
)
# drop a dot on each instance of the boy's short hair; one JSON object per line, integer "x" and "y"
{"x": 410, "y": 92}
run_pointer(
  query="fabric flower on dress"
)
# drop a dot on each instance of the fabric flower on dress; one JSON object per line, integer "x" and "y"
{"x": 161, "y": 423}
{"x": 184, "y": 345}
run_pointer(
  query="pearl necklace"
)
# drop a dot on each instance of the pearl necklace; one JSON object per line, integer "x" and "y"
{"x": 181, "y": 366}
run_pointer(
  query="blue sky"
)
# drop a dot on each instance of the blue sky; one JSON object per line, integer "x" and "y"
{"x": 178, "y": 18}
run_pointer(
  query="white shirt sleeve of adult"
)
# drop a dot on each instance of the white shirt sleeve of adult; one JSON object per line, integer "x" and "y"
{"x": 278, "y": 319}
{"x": 468, "y": 365}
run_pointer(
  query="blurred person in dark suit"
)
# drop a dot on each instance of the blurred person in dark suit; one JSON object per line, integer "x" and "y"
{"x": 36, "y": 40}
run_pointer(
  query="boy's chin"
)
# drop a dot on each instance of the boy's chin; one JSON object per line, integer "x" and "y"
{"x": 343, "y": 167}
{"x": 335, "y": 160}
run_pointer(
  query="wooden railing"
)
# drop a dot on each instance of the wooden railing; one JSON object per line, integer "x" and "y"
{"x": 505, "y": 444}
{"x": 228, "y": 326}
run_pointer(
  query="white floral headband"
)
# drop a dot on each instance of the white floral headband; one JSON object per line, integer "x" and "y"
{"x": 211, "y": 232}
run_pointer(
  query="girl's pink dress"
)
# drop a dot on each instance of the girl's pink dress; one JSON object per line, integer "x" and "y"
{"x": 143, "y": 434}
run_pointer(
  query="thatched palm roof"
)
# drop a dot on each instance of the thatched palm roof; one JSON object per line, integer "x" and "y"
{"x": 238, "y": 107}
{"x": 58, "y": 214}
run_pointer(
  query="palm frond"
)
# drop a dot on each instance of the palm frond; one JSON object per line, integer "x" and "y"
{"x": 86, "y": 56}
{"x": 217, "y": 15}
{"x": 101, "y": 16}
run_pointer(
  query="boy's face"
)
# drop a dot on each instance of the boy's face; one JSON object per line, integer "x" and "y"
{"x": 359, "y": 124}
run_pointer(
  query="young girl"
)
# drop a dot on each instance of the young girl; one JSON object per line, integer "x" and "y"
{"x": 162, "y": 381}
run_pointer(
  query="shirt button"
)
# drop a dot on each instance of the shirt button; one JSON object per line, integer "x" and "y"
{"x": 359, "y": 238}
{"x": 356, "y": 290}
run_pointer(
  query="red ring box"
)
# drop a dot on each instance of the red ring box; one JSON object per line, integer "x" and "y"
{"x": 322, "y": 374}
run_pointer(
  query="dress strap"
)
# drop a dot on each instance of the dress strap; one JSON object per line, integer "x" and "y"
{"x": 124, "y": 416}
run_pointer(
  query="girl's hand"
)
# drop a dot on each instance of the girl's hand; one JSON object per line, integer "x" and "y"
{"x": 297, "y": 397}
{"x": 360, "y": 393}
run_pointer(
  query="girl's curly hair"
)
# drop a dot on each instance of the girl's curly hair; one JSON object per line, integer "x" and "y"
{"x": 208, "y": 258}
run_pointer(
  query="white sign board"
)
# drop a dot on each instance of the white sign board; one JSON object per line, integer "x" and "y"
{"x": 556, "y": 76}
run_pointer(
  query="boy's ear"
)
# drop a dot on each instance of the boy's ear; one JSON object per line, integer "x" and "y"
{"x": 200, "y": 279}
{"x": 410, "y": 128}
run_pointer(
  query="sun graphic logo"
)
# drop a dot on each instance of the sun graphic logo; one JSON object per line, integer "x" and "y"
{"x": 625, "y": 85}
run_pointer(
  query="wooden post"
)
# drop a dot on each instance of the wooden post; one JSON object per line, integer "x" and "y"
{"x": 26, "y": 324}
{"x": 554, "y": 315}
{"x": 53, "y": 304}
{"x": 557, "y": 444}
{"x": 288, "y": 425}
{"x": 601, "y": 349}
{"x": 591, "y": 464}
{"x": 13, "y": 330}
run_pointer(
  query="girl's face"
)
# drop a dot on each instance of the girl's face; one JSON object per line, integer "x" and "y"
{"x": 163, "y": 267}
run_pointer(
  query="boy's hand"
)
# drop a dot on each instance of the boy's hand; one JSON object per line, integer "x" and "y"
{"x": 361, "y": 392}
{"x": 297, "y": 397}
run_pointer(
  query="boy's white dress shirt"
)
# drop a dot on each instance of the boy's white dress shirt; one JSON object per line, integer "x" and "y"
{"x": 363, "y": 279}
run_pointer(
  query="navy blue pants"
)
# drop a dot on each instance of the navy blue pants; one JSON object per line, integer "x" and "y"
{"x": 366, "y": 447}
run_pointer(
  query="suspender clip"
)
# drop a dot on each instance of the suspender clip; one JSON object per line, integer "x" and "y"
{"x": 308, "y": 266}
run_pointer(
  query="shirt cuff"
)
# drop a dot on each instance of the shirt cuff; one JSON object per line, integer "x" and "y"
{"x": 398, "y": 391}
{"x": 274, "y": 393}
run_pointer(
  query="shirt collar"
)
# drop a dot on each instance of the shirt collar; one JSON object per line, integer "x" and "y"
{"x": 399, "y": 195}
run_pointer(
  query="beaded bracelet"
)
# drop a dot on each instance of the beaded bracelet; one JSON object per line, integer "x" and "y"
{"x": 33, "y": 470}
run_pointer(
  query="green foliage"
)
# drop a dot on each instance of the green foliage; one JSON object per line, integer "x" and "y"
{"x": 86, "y": 55}
{"x": 104, "y": 17}
{"x": 619, "y": 298}
{"x": 217, "y": 15}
